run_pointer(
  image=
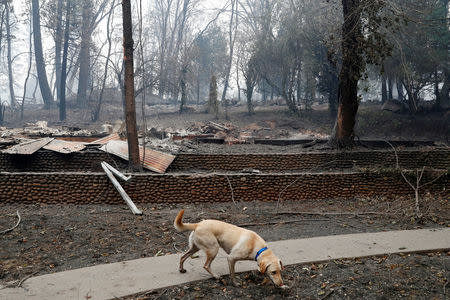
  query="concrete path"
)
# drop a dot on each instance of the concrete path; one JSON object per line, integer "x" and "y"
{"x": 129, "y": 277}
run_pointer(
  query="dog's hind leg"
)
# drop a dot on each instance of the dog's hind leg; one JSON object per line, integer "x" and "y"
{"x": 210, "y": 255}
{"x": 192, "y": 250}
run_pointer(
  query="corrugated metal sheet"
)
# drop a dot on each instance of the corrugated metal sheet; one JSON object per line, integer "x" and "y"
{"x": 64, "y": 146}
{"x": 28, "y": 147}
{"x": 154, "y": 160}
{"x": 106, "y": 139}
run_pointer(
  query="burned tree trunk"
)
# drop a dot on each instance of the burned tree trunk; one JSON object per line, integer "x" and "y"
{"x": 83, "y": 76}
{"x": 58, "y": 42}
{"x": 352, "y": 65}
{"x": 183, "y": 89}
{"x": 130, "y": 106}
{"x": 9, "y": 59}
{"x": 213, "y": 105}
{"x": 62, "y": 88}
{"x": 39, "y": 56}
{"x": 384, "y": 96}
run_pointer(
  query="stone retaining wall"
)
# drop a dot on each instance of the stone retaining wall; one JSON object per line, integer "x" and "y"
{"x": 50, "y": 161}
{"x": 83, "y": 188}
{"x": 89, "y": 161}
{"x": 408, "y": 159}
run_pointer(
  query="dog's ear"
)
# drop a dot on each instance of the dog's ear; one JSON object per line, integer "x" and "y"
{"x": 262, "y": 267}
{"x": 282, "y": 267}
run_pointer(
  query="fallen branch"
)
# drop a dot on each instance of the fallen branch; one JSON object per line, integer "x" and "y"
{"x": 12, "y": 228}
{"x": 280, "y": 222}
{"x": 25, "y": 278}
{"x": 232, "y": 193}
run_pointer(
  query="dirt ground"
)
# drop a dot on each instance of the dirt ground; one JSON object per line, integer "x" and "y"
{"x": 53, "y": 238}
{"x": 410, "y": 276}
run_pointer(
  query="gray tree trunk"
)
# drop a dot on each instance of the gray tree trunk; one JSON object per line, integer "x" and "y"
{"x": 58, "y": 42}
{"x": 83, "y": 75}
{"x": 62, "y": 89}
{"x": 10, "y": 71}
{"x": 39, "y": 57}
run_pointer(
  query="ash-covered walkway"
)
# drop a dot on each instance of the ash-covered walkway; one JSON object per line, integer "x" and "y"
{"x": 129, "y": 277}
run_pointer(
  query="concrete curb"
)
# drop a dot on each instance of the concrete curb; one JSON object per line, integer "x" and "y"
{"x": 129, "y": 277}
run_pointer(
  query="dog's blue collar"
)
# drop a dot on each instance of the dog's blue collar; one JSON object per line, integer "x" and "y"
{"x": 259, "y": 252}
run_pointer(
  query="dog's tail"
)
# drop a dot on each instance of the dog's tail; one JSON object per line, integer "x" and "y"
{"x": 180, "y": 226}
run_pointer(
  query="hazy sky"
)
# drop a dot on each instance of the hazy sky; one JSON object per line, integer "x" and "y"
{"x": 20, "y": 44}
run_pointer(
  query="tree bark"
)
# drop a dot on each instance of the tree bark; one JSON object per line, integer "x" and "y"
{"x": 58, "y": 42}
{"x": 10, "y": 71}
{"x": 444, "y": 97}
{"x": 83, "y": 75}
{"x": 62, "y": 89}
{"x": 213, "y": 105}
{"x": 383, "y": 89}
{"x": 39, "y": 57}
{"x": 30, "y": 63}
{"x": 1, "y": 26}
{"x": 389, "y": 86}
{"x": 352, "y": 65}
{"x": 130, "y": 113}
{"x": 183, "y": 88}
{"x": 399, "y": 89}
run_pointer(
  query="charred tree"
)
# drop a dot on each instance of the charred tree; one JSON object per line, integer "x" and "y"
{"x": 183, "y": 88}
{"x": 213, "y": 105}
{"x": 83, "y": 76}
{"x": 352, "y": 66}
{"x": 9, "y": 59}
{"x": 130, "y": 106}
{"x": 58, "y": 43}
{"x": 399, "y": 85}
{"x": 39, "y": 57}
{"x": 62, "y": 88}
{"x": 384, "y": 96}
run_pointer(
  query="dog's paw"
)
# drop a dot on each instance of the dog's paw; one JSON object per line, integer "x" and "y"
{"x": 182, "y": 271}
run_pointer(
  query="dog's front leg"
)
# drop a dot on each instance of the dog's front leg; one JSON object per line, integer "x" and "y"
{"x": 231, "y": 263}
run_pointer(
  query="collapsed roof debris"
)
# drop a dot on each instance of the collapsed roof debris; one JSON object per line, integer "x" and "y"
{"x": 64, "y": 147}
{"x": 106, "y": 139}
{"x": 28, "y": 147}
{"x": 154, "y": 160}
